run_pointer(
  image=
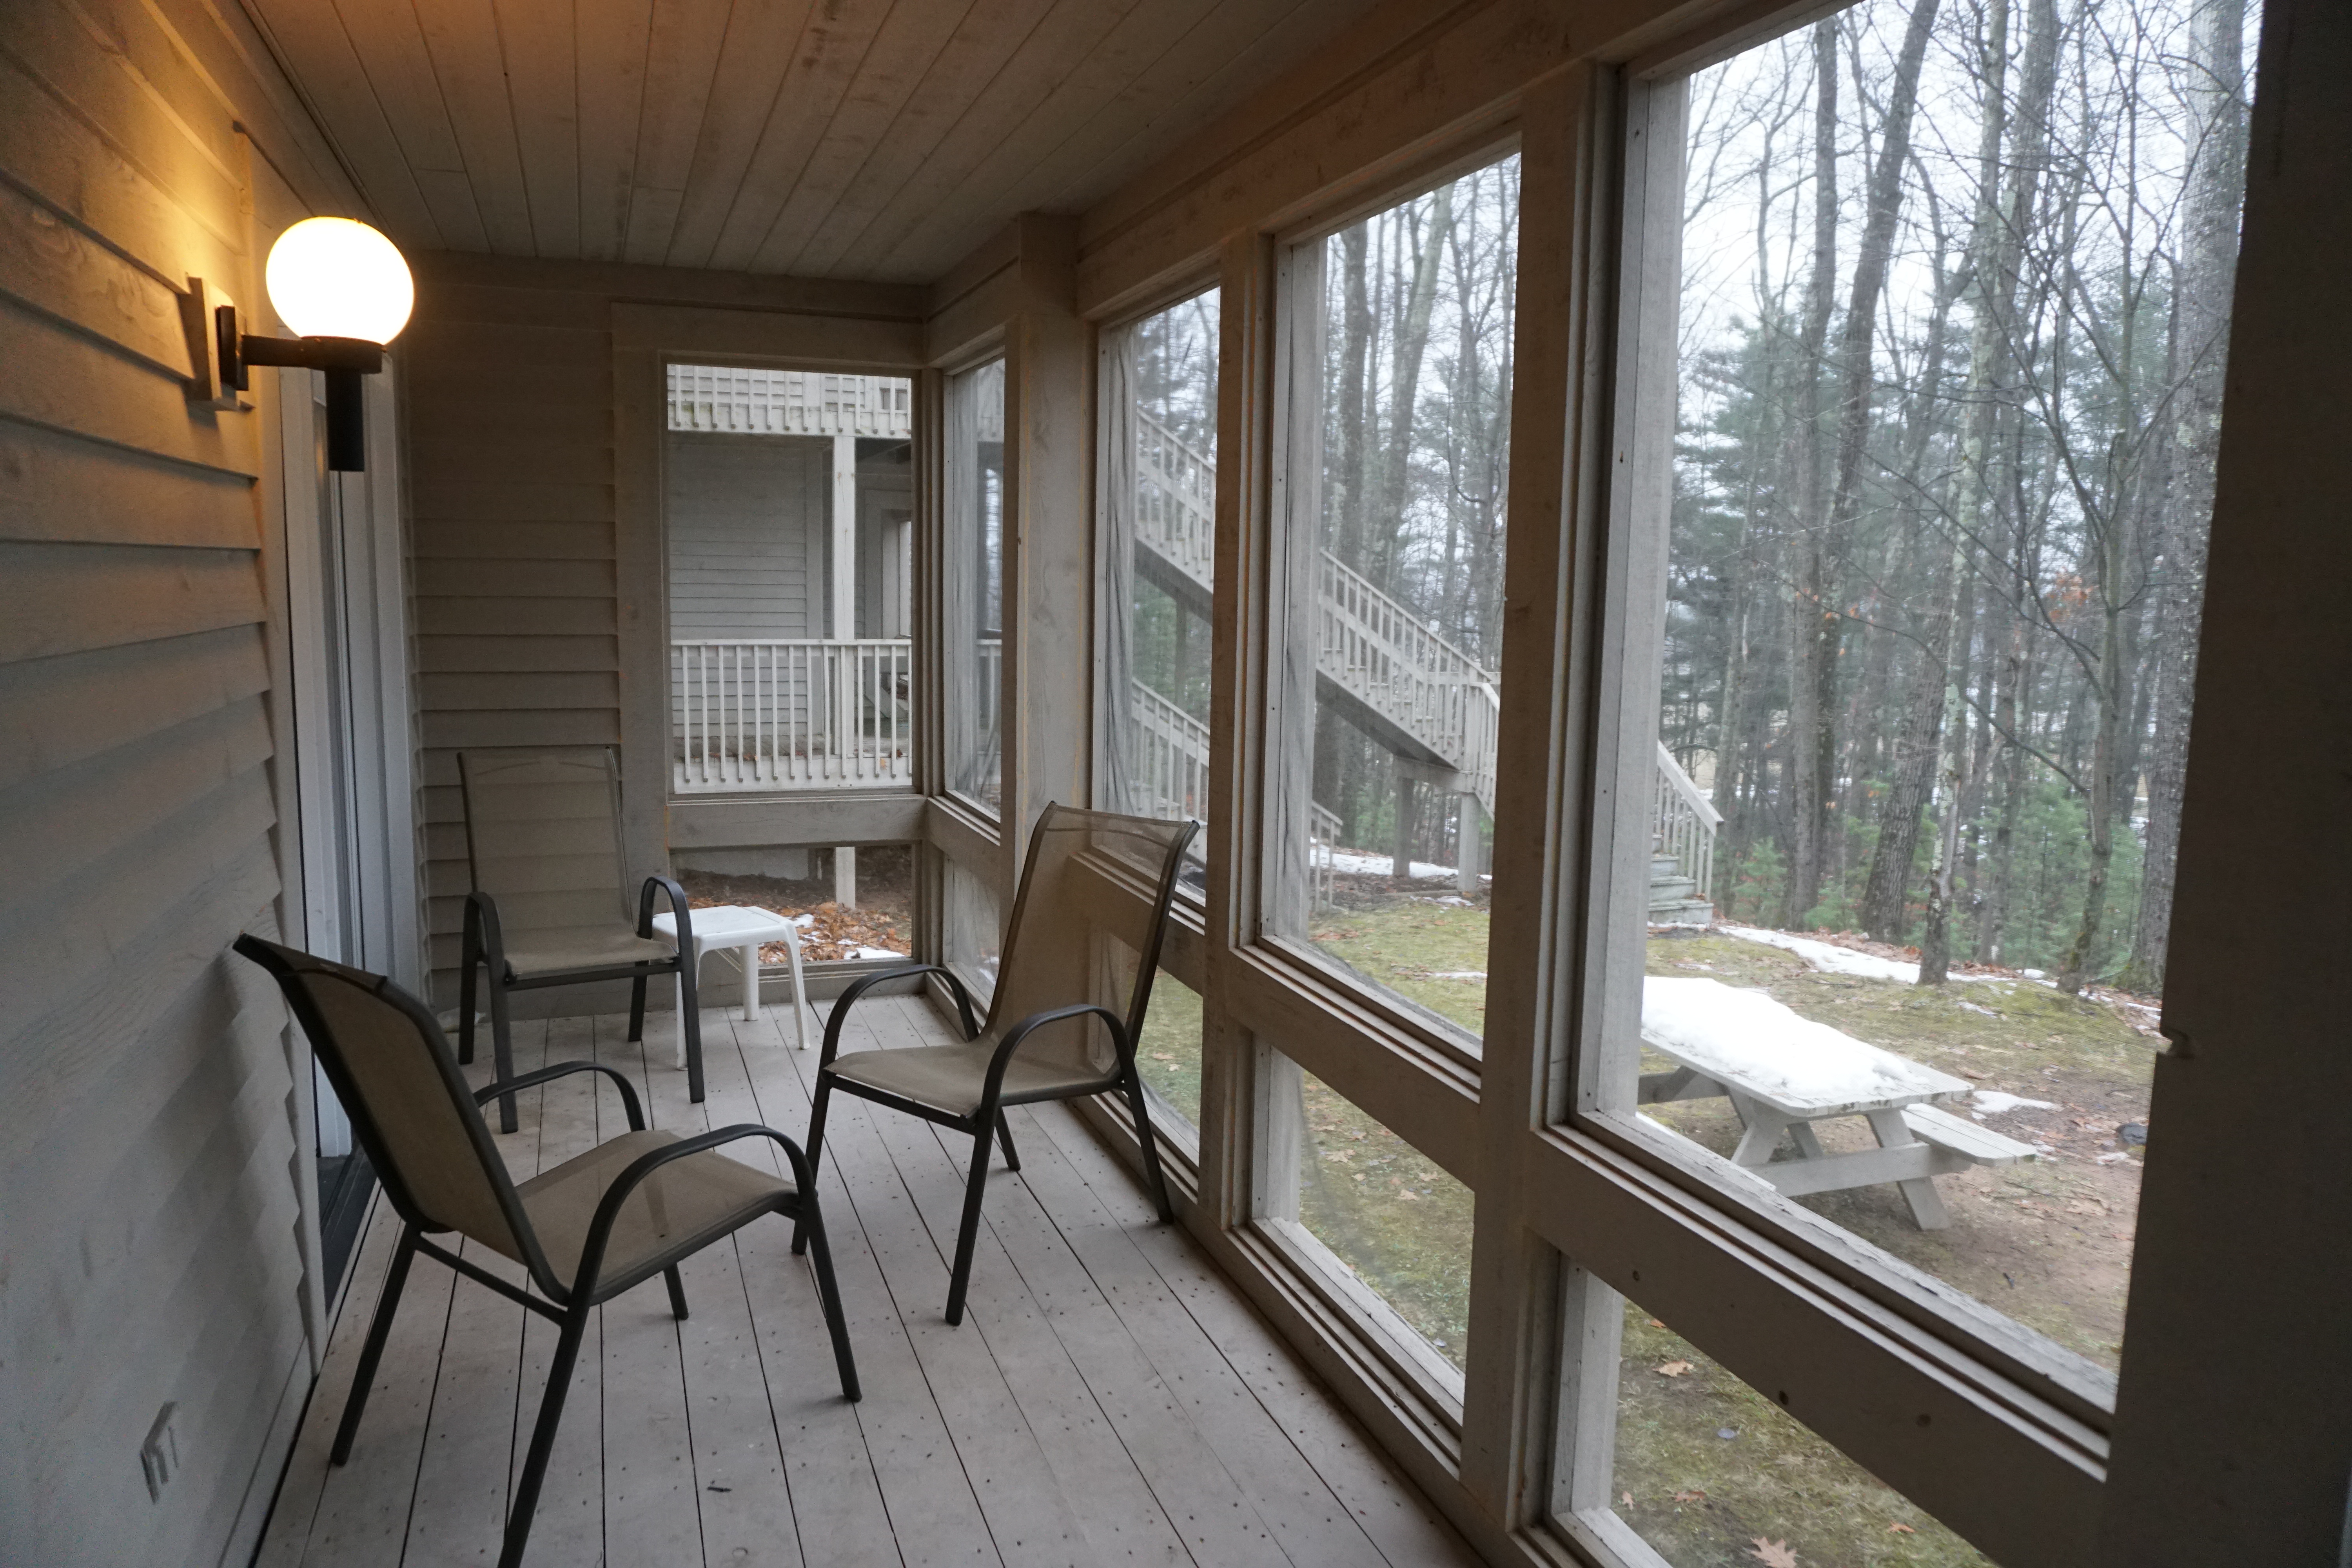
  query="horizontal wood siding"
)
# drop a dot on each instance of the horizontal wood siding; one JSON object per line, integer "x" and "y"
{"x": 150, "y": 1246}
{"x": 509, "y": 413}
{"x": 744, "y": 512}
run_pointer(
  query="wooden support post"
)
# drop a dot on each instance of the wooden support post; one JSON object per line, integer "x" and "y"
{"x": 845, "y": 538}
{"x": 1465, "y": 849}
{"x": 844, "y": 876}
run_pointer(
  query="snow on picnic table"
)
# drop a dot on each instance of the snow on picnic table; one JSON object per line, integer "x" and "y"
{"x": 1746, "y": 1040}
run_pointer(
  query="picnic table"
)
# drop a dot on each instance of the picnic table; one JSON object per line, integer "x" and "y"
{"x": 1783, "y": 1073}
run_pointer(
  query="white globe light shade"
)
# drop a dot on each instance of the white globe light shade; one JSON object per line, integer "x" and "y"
{"x": 332, "y": 277}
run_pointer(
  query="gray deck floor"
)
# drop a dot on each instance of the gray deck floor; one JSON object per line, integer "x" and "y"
{"x": 1110, "y": 1398}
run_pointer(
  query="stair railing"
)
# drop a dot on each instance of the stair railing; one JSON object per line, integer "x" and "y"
{"x": 1175, "y": 499}
{"x": 1685, "y": 822}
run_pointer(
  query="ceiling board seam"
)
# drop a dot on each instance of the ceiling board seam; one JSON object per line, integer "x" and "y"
{"x": 1301, "y": 115}
{"x": 441, "y": 92}
{"x": 971, "y": 106}
{"x": 1143, "y": 134}
{"x": 277, "y": 94}
{"x": 849, "y": 90}
{"x": 514, "y": 127}
{"x": 767, "y": 120}
{"x": 276, "y": 53}
{"x": 882, "y": 137}
{"x": 1001, "y": 195}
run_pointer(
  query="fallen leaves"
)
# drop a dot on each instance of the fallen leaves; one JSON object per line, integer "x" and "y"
{"x": 1772, "y": 1553}
{"x": 1899, "y": 1527}
{"x": 1692, "y": 1496}
{"x": 1672, "y": 1368}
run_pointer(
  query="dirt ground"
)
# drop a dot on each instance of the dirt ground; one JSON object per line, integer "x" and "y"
{"x": 884, "y": 918}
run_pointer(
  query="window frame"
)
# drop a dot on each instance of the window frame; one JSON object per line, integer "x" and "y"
{"x": 1845, "y": 1338}
{"x": 1282, "y": 559}
{"x": 1189, "y": 286}
{"x": 942, "y": 559}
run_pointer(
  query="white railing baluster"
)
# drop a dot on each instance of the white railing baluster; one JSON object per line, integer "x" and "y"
{"x": 791, "y": 714}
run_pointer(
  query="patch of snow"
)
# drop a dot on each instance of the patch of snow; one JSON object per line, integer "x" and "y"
{"x": 2118, "y": 1158}
{"x": 1993, "y": 1102}
{"x": 1746, "y": 1039}
{"x": 1457, "y": 975}
{"x": 1831, "y": 959}
{"x": 2033, "y": 973}
{"x": 1974, "y": 1008}
{"x": 1360, "y": 865}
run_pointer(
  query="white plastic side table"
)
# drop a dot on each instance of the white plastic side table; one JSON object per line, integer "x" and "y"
{"x": 743, "y": 929}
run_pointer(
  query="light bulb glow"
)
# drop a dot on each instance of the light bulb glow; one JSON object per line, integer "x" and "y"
{"x": 333, "y": 277}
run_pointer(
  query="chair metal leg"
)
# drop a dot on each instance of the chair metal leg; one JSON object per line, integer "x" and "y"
{"x": 372, "y": 1352}
{"x": 1150, "y": 1142}
{"x": 690, "y": 1024}
{"x": 502, "y": 1052}
{"x": 542, "y": 1435}
{"x": 472, "y": 955}
{"x": 969, "y": 1233}
{"x": 815, "y": 1149}
{"x": 676, "y": 1292}
{"x": 828, "y": 1294}
{"x": 1005, "y": 1137}
{"x": 637, "y": 1009}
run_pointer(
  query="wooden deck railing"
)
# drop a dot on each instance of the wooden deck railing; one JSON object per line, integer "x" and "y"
{"x": 799, "y": 713}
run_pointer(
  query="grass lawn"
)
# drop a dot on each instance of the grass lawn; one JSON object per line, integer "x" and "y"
{"x": 1707, "y": 1467}
{"x": 2047, "y": 1241}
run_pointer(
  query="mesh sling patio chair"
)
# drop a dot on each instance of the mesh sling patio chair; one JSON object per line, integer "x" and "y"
{"x": 1085, "y": 871}
{"x": 634, "y": 1206}
{"x": 543, "y": 847}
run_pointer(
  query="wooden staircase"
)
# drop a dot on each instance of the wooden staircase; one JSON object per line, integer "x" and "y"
{"x": 1394, "y": 678}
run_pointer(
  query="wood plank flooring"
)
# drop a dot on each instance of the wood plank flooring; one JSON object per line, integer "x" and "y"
{"x": 1110, "y": 1398}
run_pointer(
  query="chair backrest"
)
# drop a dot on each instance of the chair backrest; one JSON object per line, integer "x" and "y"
{"x": 543, "y": 836}
{"x": 398, "y": 1082}
{"x": 1086, "y": 871}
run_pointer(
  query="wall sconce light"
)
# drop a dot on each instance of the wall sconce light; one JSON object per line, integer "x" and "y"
{"x": 344, "y": 288}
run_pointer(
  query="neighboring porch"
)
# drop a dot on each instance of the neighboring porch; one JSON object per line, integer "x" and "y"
{"x": 1110, "y": 1398}
{"x": 790, "y": 502}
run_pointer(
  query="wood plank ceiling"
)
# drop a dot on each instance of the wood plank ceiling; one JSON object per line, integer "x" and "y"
{"x": 868, "y": 139}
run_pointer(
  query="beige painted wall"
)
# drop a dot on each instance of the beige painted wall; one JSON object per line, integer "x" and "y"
{"x": 150, "y": 1234}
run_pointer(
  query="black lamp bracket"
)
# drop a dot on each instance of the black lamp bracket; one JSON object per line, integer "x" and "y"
{"x": 224, "y": 355}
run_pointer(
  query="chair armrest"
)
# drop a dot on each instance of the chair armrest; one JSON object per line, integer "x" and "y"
{"x": 608, "y": 1209}
{"x": 995, "y": 1083}
{"x": 840, "y": 1013}
{"x": 562, "y": 1069}
{"x": 482, "y": 912}
{"x": 678, "y": 906}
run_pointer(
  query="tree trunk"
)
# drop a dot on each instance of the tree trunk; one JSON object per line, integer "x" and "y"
{"x": 1355, "y": 345}
{"x": 1936, "y": 938}
{"x": 2208, "y": 273}
{"x": 1886, "y": 895}
{"x": 1810, "y": 598}
{"x": 1882, "y": 207}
